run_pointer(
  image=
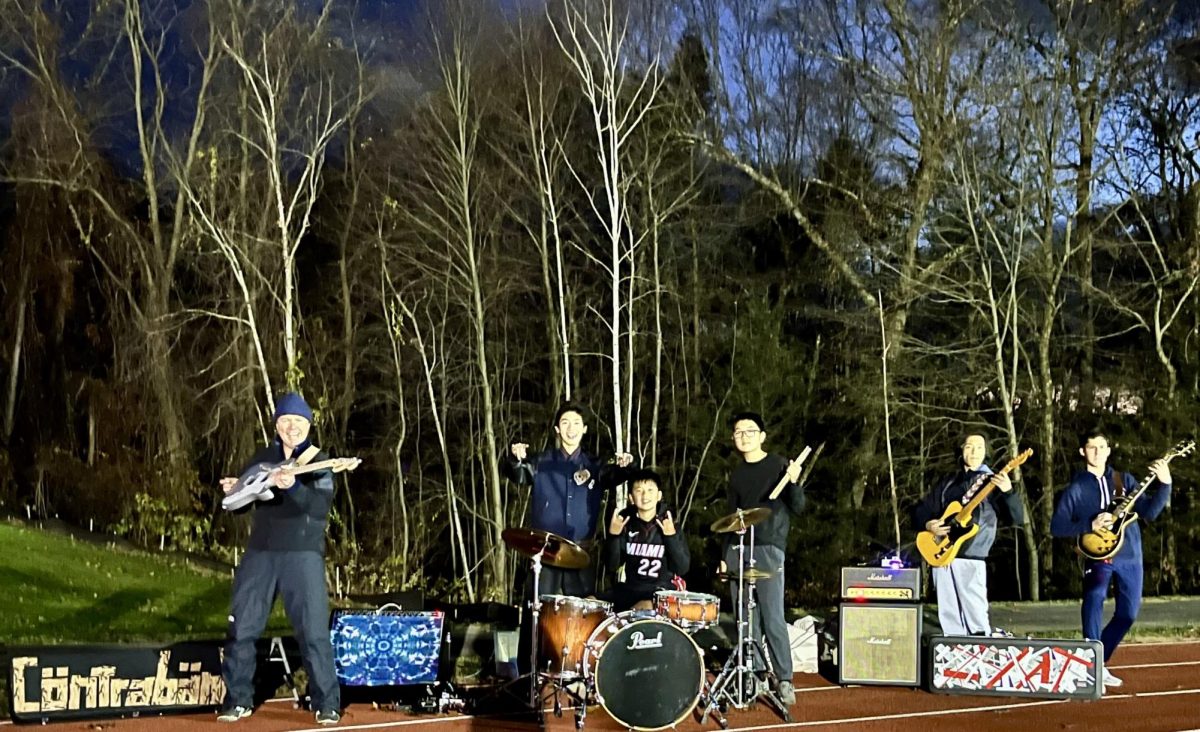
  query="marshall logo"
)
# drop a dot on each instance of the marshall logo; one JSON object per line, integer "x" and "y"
{"x": 873, "y": 641}
{"x": 879, "y": 577}
{"x": 638, "y": 641}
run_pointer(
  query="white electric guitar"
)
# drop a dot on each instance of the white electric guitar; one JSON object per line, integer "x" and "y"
{"x": 255, "y": 484}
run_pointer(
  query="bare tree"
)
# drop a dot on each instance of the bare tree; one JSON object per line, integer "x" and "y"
{"x": 592, "y": 36}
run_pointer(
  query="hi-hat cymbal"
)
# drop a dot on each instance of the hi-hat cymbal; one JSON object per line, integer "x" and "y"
{"x": 556, "y": 550}
{"x": 750, "y": 575}
{"x": 740, "y": 519}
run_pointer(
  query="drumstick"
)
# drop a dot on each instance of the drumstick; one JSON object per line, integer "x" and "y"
{"x": 784, "y": 480}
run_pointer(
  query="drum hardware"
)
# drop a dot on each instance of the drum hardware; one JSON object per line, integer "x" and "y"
{"x": 557, "y": 551}
{"x": 738, "y": 671}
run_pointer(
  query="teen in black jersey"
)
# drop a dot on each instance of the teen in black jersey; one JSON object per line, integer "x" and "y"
{"x": 646, "y": 543}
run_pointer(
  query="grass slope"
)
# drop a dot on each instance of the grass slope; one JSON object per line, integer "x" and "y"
{"x": 55, "y": 588}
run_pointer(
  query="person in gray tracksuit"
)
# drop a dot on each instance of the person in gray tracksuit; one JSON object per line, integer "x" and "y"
{"x": 962, "y": 584}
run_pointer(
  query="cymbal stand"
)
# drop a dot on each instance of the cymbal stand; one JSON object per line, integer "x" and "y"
{"x": 738, "y": 670}
{"x": 536, "y": 606}
{"x": 533, "y": 676}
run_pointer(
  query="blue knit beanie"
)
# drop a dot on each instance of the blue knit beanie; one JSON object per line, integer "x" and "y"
{"x": 292, "y": 403}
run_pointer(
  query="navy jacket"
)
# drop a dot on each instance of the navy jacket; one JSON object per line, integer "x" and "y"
{"x": 295, "y": 519}
{"x": 952, "y": 488}
{"x": 567, "y": 490}
{"x": 1080, "y": 502}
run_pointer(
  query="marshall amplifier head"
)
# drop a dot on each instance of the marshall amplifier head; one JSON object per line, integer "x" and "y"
{"x": 881, "y": 583}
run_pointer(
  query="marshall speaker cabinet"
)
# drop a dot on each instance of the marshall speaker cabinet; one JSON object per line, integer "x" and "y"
{"x": 386, "y": 647}
{"x": 879, "y": 643}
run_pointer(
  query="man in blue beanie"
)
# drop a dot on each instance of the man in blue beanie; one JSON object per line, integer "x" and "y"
{"x": 285, "y": 556}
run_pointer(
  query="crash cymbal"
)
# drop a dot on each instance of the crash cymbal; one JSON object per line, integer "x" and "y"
{"x": 740, "y": 519}
{"x": 750, "y": 575}
{"x": 556, "y": 551}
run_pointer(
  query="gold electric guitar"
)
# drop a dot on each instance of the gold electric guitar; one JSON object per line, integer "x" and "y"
{"x": 960, "y": 519}
{"x": 1105, "y": 543}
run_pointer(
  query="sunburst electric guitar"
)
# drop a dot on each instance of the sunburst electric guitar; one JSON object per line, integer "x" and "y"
{"x": 1105, "y": 543}
{"x": 938, "y": 552}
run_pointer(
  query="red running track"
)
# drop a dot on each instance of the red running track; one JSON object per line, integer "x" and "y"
{"x": 1161, "y": 693}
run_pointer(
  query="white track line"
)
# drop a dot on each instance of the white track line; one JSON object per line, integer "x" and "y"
{"x": 1158, "y": 665}
{"x": 818, "y": 722}
{"x": 943, "y": 712}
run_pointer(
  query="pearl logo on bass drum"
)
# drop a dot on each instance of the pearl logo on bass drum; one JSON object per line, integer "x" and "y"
{"x": 638, "y": 641}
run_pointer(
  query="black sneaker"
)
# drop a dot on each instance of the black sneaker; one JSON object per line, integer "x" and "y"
{"x": 328, "y": 717}
{"x": 233, "y": 714}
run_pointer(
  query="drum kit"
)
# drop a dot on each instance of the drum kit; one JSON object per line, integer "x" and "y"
{"x": 584, "y": 652}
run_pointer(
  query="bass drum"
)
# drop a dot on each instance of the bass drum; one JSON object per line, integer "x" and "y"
{"x": 647, "y": 675}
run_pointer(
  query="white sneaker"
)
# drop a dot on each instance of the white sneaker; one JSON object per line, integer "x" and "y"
{"x": 1110, "y": 680}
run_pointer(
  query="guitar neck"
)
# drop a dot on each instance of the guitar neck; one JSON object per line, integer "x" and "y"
{"x": 299, "y": 469}
{"x": 1126, "y": 503}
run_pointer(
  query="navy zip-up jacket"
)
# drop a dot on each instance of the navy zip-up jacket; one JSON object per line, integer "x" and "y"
{"x": 952, "y": 488}
{"x": 295, "y": 519}
{"x": 567, "y": 490}
{"x": 1080, "y": 502}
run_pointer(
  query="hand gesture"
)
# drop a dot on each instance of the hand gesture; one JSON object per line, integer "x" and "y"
{"x": 617, "y": 525}
{"x": 519, "y": 450}
{"x": 794, "y": 468}
{"x": 283, "y": 479}
{"x": 1003, "y": 483}
{"x": 937, "y": 527}
{"x": 1161, "y": 471}
{"x": 1103, "y": 520}
{"x": 624, "y": 459}
{"x": 667, "y": 524}
{"x": 227, "y": 484}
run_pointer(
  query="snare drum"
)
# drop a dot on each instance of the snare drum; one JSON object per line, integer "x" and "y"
{"x": 565, "y": 624}
{"x": 688, "y": 610}
{"x": 647, "y": 674}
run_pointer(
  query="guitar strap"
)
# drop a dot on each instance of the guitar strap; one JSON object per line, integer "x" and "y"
{"x": 307, "y": 456}
{"x": 983, "y": 478}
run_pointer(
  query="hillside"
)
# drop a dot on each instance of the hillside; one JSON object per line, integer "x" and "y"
{"x": 61, "y": 589}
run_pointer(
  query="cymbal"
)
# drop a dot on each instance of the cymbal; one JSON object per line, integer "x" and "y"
{"x": 556, "y": 550}
{"x": 740, "y": 519}
{"x": 750, "y": 575}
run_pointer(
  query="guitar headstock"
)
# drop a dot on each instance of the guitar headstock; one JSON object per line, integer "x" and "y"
{"x": 1018, "y": 460}
{"x": 1181, "y": 449}
{"x": 343, "y": 464}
